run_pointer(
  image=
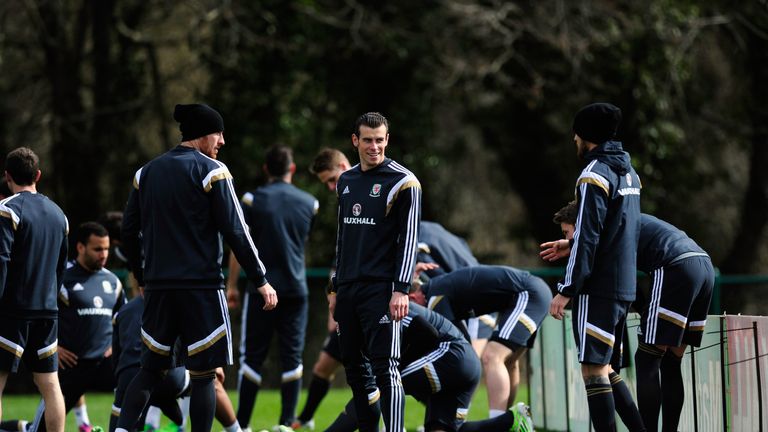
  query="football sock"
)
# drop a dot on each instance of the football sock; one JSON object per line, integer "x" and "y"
{"x": 672, "y": 390}
{"x": 184, "y": 405}
{"x": 624, "y": 403}
{"x": 346, "y": 421}
{"x": 248, "y": 391}
{"x": 647, "y": 364}
{"x": 318, "y": 388}
{"x": 289, "y": 397}
{"x": 493, "y": 413}
{"x": 153, "y": 417}
{"x": 234, "y": 427}
{"x": 202, "y": 404}
{"x": 81, "y": 415}
{"x": 502, "y": 423}
{"x": 600, "y": 401}
{"x": 136, "y": 397}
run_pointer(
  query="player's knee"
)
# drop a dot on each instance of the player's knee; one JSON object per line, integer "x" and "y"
{"x": 495, "y": 354}
{"x": 324, "y": 370}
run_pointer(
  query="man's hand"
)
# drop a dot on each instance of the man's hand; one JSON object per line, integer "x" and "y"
{"x": 557, "y": 307}
{"x": 233, "y": 297}
{"x": 66, "y": 358}
{"x": 398, "y": 305}
{"x": 331, "y": 304}
{"x": 422, "y": 267}
{"x": 269, "y": 294}
{"x": 108, "y": 352}
{"x": 554, "y": 250}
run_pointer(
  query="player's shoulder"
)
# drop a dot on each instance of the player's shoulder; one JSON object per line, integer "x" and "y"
{"x": 394, "y": 168}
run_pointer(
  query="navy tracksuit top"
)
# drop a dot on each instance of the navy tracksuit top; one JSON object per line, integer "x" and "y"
{"x": 181, "y": 204}
{"x": 438, "y": 245}
{"x": 661, "y": 243}
{"x": 478, "y": 290}
{"x": 87, "y": 301}
{"x": 33, "y": 255}
{"x": 378, "y": 225}
{"x": 604, "y": 253}
{"x": 280, "y": 216}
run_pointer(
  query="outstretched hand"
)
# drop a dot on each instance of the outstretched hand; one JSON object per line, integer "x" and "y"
{"x": 554, "y": 250}
{"x": 422, "y": 267}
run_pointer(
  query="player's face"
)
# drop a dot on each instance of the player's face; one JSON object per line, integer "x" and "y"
{"x": 567, "y": 229}
{"x": 211, "y": 143}
{"x": 94, "y": 254}
{"x": 370, "y": 146}
{"x": 329, "y": 178}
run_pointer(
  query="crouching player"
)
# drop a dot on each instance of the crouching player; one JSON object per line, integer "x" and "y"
{"x": 441, "y": 370}
{"x": 522, "y": 301}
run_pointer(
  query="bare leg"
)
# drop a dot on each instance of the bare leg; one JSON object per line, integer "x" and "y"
{"x": 496, "y": 375}
{"x": 225, "y": 413}
{"x": 48, "y": 384}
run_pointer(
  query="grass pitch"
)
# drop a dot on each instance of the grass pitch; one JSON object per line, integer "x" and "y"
{"x": 265, "y": 414}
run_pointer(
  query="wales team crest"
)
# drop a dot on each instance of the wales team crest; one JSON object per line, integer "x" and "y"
{"x": 375, "y": 190}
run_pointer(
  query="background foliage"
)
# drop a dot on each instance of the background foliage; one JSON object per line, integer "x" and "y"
{"x": 480, "y": 95}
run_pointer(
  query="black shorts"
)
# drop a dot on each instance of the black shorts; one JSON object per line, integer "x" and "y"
{"x": 331, "y": 345}
{"x": 444, "y": 381}
{"x": 88, "y": 375}
{"x": 517, "y": 325}
{"x": 679, "y": 303}
{"x": 33, "y": 341}
{"x": 598, "y": 327}
{"x": 199, "y": 318}
{"x": 288, "y": 320}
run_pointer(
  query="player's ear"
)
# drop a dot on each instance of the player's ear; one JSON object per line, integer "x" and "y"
{"x": 292, "y": 168}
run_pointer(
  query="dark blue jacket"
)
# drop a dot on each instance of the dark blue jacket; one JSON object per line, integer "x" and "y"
{"x": 379, "y": 215}
{"x": 474, "y": 291}
{"x": 280, "y": 216}
{"x": 604, "y": 252}
{"x": 438, "y": 245}
{"x": 33, "y": 255}
{"x": 180, "y": 205}
{"x": 87, "y": 301}
{"x": 661, "y": 243}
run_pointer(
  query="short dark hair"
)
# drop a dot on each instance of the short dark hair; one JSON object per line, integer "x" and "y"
{"x": 279, "y": 159}
{"x": 327, "y": 160}
{"x": 372, "y": 120}
{"x": 567, "y": 214}
{"x": 22, "y": 165}
{"x": 87, "y": 229}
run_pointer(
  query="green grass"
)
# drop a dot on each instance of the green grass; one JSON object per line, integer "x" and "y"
{"x": 265, "y": 413}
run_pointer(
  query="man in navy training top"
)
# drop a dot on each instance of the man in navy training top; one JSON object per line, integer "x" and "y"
{"x": 181, "y": 204}
{"x": 379, "y": 213}
{"x": 280, "y": 216}
{"x": 683, "y": 279}
{"x": 88, "y": 298}
{"x": 33, "y": 253}
{"x": 521, "y": 301}
{"x": 601, "y": 273}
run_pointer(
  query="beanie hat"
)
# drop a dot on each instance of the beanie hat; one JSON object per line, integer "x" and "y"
{"x": 197, "y": 120}
{"x": 597, "y": 122}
